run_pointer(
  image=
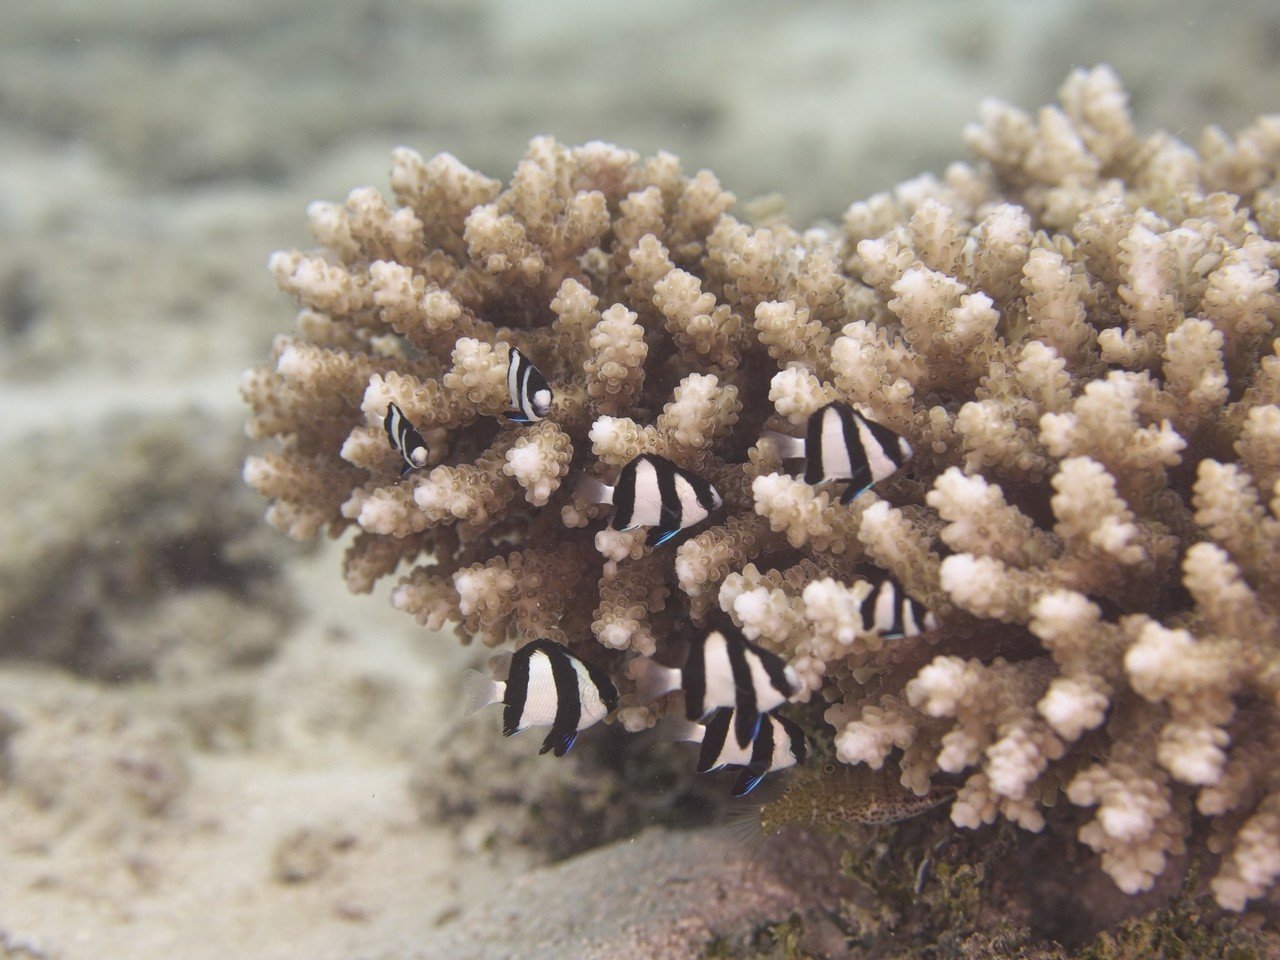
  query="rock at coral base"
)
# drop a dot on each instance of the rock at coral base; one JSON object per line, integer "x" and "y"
{"x": 662, "y": 895}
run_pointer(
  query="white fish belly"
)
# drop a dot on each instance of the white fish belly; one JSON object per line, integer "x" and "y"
{"x": 691, "y": 511}
{"x": 878, "y": 459}
{"x": 767, "y": 695}
{"x": 783, "y": 757}
{"x": 593, "y": 708}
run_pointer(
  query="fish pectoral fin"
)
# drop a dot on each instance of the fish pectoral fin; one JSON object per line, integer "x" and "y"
{"x": 516, "y": 417}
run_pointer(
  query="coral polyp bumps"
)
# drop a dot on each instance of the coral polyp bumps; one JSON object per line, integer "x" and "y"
{"x": 1076, "y": 335}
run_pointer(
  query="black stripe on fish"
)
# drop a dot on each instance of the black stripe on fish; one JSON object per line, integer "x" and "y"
{"x": 842, "y": 444}
{"x": 624, "y": 496}
{"x": 693, "y": 680}
{"x": 568, "y": 699}
{"x": 517, "y": 692}
{"x": 761, "y": 762}
{"x": 781, "y": 744}
{"x": 530, "y": 393}
{"x": 762, "y": 749}
{"x": 746, "y": 714}
{"x": 714, "y": 736}
{"x": 405, "y": 439}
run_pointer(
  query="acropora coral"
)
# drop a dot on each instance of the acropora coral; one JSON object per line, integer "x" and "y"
{"x": 1077, "y": 335}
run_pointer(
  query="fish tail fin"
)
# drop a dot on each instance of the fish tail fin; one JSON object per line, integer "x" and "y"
{"x": 786, "y": 447}
{"x": 593, "y": 490}
{"x": 478, "y": 691}
{"x": 652, "y": 679}
{"x": 674, "y": 729}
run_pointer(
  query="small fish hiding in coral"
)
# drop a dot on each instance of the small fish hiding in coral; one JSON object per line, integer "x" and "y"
{"x": 840, "y": 795}
{"x": 841, "y": 444}
{"x": 889, "y": 611}
{"x": 653, "y": 492}
{"x": 779, "y": 744}
{"x": 405, "y": 438}
{"x": 530, "y": 393}
{"x": 546, "y": 685}
{"x": 723, "y": 669}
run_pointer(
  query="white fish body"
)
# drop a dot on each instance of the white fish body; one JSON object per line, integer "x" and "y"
{"x": 405, "y": 439}
{"x": 546, "y": 686}
{"x": 530, "y": 393}
{"x": 653, "y": 492}
{"x": 842, "y": 444}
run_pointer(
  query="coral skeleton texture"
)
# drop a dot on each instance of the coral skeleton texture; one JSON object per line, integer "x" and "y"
{"x": 1077, "y": 335}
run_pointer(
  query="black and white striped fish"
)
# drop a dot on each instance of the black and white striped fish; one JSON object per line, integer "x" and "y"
{"x": 530, "y": 392}
{"x": 723, "y": 669}
{"x": 889, "y": 611}
{"x": 546, "y": 685}
{"x": 841, "y": 444}
{"x": 653, "y": 492}
{"x": 779, "y": 744}
{"x": 405, "y": 438}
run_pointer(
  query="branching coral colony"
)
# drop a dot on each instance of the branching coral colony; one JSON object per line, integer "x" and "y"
{"x": 1076, "y": 335}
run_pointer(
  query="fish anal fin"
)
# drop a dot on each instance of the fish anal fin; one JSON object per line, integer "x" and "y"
{"x": 558, "y": 743}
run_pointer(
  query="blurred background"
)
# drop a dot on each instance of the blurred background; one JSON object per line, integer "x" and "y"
{"x": 198, "y": 729}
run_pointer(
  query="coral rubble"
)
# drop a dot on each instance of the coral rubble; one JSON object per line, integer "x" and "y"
{"x": 1076, "y": 334}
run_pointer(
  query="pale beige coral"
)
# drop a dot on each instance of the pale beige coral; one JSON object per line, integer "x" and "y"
{"x": 1077, "y": 335}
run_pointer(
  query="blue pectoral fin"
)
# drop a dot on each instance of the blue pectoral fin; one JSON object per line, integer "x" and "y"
{"x": 517, "y": 417}
{"x": 746, "y": 781}
{"x": 657, "y": 536}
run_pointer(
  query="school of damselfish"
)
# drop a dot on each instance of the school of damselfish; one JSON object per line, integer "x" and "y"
{"x": 731, "y": 686}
